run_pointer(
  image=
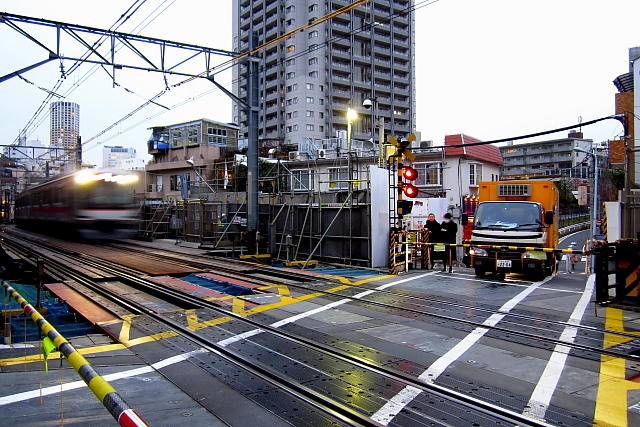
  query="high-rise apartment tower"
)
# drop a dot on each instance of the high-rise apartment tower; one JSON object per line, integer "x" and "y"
{"x": 65, "y": 126}
{"x": 307, "y": 82}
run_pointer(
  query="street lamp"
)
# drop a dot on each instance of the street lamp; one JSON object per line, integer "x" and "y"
{"x": 375, "y": 117}
{"x": 351, "y": 116}
{"x": 594, "y": 211}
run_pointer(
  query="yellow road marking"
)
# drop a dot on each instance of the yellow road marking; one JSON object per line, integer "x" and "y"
{"x": 611, "y": 401}
{"x": 194, "y": 324}
{"x": 126, "y": 328}
{"x": 56, "y": 354}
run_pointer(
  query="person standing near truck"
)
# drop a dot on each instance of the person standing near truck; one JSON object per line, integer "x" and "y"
{"x": 434, "y": 235}
{"x": 448, "y": 233}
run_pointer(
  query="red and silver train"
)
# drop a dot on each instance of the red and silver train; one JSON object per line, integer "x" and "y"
{"x": 91, "y": 203}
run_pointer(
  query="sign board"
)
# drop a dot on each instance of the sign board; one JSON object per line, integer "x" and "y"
{"x": 582, "y": 195}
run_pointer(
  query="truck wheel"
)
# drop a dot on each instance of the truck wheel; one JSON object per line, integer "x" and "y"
{"x": 479, "y": 272}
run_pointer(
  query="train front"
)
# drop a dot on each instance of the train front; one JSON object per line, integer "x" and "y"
{"x": 104, "y": 204}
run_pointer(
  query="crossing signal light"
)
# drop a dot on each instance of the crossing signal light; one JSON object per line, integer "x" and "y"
{"x": 404, "y": 207}
{"x": 410, "y": 190}
{"x": 409, "y": 173}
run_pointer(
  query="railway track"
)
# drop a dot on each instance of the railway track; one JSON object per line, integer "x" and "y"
{"x": 527, "y": 328}
{"x": 349, "y": 410}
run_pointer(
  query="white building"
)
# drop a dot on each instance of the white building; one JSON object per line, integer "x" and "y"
{"x": 111, "y": 155}
{"x": 131, "y": 164}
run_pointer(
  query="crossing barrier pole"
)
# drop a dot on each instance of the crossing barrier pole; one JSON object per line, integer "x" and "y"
{"x": 106, "y": 394}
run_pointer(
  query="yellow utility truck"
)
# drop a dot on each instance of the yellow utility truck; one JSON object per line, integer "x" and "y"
{"x": 513, "y": 218}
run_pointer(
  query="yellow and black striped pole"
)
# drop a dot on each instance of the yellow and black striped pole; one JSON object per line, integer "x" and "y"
{"x": 107, "y": 395}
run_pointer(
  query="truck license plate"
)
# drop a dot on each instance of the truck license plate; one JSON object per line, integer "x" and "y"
{"x": 504, "y": 263}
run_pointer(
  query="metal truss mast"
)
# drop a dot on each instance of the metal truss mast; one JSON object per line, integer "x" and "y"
{"x": 80, "y": 35}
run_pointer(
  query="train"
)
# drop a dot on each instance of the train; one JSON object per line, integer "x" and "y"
{"x": 89, "y": 204}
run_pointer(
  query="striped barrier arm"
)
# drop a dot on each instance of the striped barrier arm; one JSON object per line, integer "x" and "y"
{"x": 511, "y": 248}
{"x": 105, "y": 393}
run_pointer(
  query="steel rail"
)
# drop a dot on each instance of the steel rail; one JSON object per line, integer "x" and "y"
{"x": 275, "y": 379}
{"x": 248, "y": 277}
{"x": 453, "y": 396}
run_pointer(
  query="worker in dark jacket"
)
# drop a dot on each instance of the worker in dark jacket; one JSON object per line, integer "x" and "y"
{"x": 448, "y": 233}
{"x": 434, "y": 235}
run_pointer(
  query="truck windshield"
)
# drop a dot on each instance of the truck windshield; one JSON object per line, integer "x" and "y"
{"x": 508, "y": 215}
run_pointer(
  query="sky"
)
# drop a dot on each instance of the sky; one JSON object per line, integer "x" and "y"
{"x": 491, "y": 69}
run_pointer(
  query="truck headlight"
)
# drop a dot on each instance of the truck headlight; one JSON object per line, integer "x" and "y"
{"x": 477, "y": 252}
{"x": 535, "y": 255}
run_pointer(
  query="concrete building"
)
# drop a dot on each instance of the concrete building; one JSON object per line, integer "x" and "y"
{"x": 553, "y": 158}
{"x": 65, "y": 126}
{"x": 131, "y": 164}
{"x": 111, "y": 155}
{"x": 202, "y": 141}
{"x": 627, "y": 102}
{"x": 465, "y": 167}
{"x": 307, "y": 82}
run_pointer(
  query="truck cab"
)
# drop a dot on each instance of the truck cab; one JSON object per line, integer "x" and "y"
{"x": 512, "y": 216}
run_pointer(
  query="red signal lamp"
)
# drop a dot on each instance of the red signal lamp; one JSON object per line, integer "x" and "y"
{"x": 410, "y": 190}
{"x": 409, "y": 173}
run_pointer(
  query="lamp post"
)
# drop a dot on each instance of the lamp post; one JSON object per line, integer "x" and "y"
{"x": 351, "y": 116}
{"x": 594, "y": 209}
{"x": 375, "y": 117}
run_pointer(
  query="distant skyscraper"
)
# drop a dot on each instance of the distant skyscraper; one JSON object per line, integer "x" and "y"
{"x": 307, "y": 82}
{"x": 65, "y": 126}
{"x": 111, "y": 155}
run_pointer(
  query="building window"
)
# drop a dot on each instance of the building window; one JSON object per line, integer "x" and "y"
{"x": 291, "y": 61}
{"x": 290, "y": 75}
{"x": 292, "y": 87}
{"x": 290, "y": 22}
{"x": 321, "y": 128}
{"x": 428, "y": 173}
{"x": 309, "y": 86}
{"x": 338, "y": 178}
{"x": 309, "y": 113}
{"x": 321, "y": 101}
{"x": 313, "y": 61}
{"x": 290, "y": 9}
{"x": 302, "y": 179}
{"x": 313, "y": 34}
{"x": 313, "y": 8}
{"x": 309, "y": 99}
{"x": 321, "y": 88}
{"x": 321, "y": 113}
{"x": 475, "y": 173}
{"x": 291, "y": 48}
{"x": 309, "y": 127}
{"x": 177, "y": 181}
{"x": 313, "y": 74}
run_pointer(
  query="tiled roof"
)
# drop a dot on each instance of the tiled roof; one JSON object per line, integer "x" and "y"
{"x": 488, "y": 153}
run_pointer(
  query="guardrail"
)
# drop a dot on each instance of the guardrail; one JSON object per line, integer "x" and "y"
{"x": 505, "y": 247}
{"x": 573, "y": 228}
{"x": 106, "y": 394}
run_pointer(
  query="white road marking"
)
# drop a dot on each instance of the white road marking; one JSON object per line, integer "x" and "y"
{"x": 46, "y": 391}
{"x": 509, "y": 284}
{"x": 5, "y": 400}
{"x": 386, "y": 414}
{"x": 541, "y": 396}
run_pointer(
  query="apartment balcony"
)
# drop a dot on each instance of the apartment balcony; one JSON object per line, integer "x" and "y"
{"x": 272, "y": 32}
{"x": 401, "y": 54}
{"x": 341, "y": 54}
{"x": 401, "y": 31}
{"x": 341, "y": 66}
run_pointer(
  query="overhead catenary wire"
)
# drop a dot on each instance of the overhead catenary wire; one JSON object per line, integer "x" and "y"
{"x": 322, "y": 45}
{"x": 124, "y": 17}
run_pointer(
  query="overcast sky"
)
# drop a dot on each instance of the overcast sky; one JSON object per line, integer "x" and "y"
{"x": 488, "y": 68}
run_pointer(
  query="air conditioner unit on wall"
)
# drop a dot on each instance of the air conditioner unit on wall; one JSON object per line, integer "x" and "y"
{"x": 322, "y": 153}
{"x": 293, "y": 155}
